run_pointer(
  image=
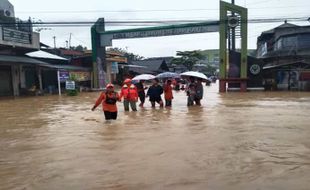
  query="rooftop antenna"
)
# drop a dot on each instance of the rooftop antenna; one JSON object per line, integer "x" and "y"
{"x": 54, "y": 37}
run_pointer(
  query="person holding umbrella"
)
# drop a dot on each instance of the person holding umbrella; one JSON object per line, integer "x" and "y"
{"x": 168, "y": 93}
{"x": 155, "y": 91}
{"x": 194, "y": 89}
{"x": 199, "y": 92}
{"x": 108, "y": 100}
{"x": 130, "y": 94}
{"x": 191, "y": 91}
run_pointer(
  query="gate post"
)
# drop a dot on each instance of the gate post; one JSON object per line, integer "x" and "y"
{"x": 227, "y": 23}
{"x": 98, "y": 55}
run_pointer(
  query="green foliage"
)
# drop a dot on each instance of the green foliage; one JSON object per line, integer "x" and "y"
{"x": 72, "y": 92}
{"x": 73, "y": 78}
{"x": 78, "y": 48}
{"x": 188, "y": 58}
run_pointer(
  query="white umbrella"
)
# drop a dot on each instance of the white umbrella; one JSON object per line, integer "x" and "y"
{"x": 194, "y": 74}
{"x": 168, "y": 75}
{"x": 143, "y": 77}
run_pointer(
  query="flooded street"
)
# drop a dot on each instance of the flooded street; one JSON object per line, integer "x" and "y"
{"x": 257, "y": 140}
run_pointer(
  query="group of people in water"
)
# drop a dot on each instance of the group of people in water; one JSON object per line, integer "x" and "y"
{"x": 130, "y": 94}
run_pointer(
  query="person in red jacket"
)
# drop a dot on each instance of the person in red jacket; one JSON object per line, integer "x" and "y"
{"x": 130, "y": 94}
{"x": 108, "y": 100}
{"x": 168, "y": 93}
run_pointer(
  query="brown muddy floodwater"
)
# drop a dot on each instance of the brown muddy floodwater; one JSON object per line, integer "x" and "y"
{"x": 257, "y": 140}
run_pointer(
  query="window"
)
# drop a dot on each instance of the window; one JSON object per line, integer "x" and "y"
{"x": 262, "y": 49}
{"x": 289, "y": 42}
{"x": 304, "y": 41}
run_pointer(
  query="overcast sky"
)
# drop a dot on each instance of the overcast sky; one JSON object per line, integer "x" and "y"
{"x": 91, "y": 10}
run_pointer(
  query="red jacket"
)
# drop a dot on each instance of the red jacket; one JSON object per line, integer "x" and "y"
{"x": 129, "y": 93}
{"x": 105, "y": 106}
{"x": 168, "y": 92}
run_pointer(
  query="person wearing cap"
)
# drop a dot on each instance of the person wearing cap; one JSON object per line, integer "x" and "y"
{"x": 168, "y": 93}
{"x": 155, "y": 91}
{"x": 108, "y": 100}
{"x": 130, "y": 94}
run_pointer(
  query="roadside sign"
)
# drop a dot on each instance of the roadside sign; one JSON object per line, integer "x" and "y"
{"x": 114, "y": 68}
{"x": 64, "y": 76}
{"x": 70, "y": 85}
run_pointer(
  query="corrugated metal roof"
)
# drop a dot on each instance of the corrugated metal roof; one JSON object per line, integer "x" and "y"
{"x": 21, "y": 59}
{"x": 43, "y": 54}
{"x": 152, "y": 65}
{"x": 28, "y": 60}
{"x": 285, "y": 25}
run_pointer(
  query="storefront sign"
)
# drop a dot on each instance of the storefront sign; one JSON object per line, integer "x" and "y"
{"x": 80, "y": 76}
{"x": 16, "y": 36}
{"x": 70, "y": 85}
{"x": 114, "y": 68}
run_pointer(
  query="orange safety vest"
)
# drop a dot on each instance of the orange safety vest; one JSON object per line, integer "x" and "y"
{"x": 129, "y": 93}
{"x": 107, "y": 105}
{"x": 168, "y": 92}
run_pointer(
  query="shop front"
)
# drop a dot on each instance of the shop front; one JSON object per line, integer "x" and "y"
{"x": 6, "y": 88}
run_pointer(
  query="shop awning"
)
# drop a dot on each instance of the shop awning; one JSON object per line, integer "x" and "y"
{"x": 20, "y": 60}
{"x": 27, "y": 60}
{"x": 67, "y": 67}
{"x": 299, "y": 64}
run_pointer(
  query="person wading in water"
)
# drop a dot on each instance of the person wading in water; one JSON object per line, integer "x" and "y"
{"x": 130, "y": 94}
{"x": 155, "y": 91}
{"x": 108, "y": 100}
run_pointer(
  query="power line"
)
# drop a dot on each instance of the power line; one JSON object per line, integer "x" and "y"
{"x": 150, "y": 10}
{"x": 150, "y": 22}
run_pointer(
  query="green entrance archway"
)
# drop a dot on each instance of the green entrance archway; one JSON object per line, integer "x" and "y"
{"x": 102, "y": 39}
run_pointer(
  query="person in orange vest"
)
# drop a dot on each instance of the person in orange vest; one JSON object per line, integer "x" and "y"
{"x": 108, "y": 100}
{"x": 168, "y": 93}
{"x": 130, "y": 94}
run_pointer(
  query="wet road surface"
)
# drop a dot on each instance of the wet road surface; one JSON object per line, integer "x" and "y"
{"x": 236, "y": 141}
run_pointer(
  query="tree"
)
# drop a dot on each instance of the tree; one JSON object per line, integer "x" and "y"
{"x": 130, "y": 56}
{"x": 78, "y": 48}
{"x": 209, "y": 70}
{"x": 188, "y": 58}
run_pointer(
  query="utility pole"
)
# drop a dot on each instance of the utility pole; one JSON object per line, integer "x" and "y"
{"x": 67, "y": 44}
{"x": 70, "y": 40}
{"x": 54, "y": 37}
{"x": 233, "y": 32}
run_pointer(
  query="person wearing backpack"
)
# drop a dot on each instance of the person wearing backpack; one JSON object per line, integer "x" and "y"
{"x": 108, "y": 100}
